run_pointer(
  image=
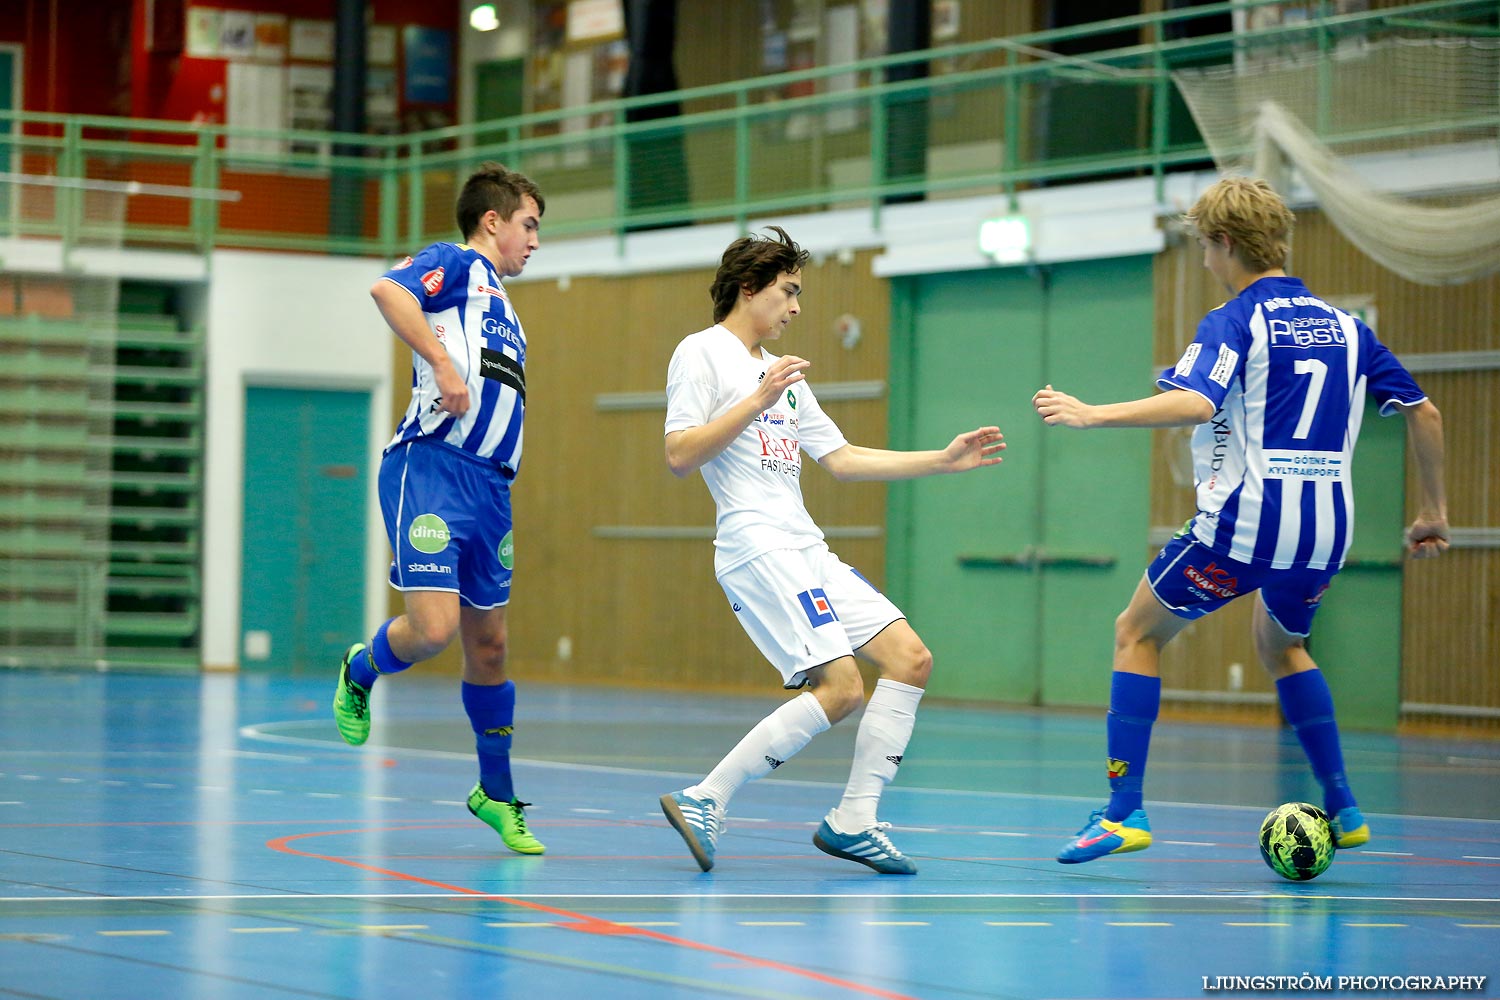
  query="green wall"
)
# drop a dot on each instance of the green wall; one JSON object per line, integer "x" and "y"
{"x": 1014, "y": 575}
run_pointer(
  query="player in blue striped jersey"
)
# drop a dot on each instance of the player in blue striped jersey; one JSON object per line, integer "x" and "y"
{"x": 1275, "y": 383}
{"x": 445, "y": 476}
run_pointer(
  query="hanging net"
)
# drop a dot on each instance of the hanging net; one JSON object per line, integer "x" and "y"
{"x": 1332, "y": 120}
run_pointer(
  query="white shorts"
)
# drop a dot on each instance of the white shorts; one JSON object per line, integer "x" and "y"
{"x": 805, "y": 607}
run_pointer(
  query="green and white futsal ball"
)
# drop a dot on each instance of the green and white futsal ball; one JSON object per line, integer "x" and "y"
{"x": 1296, "y": 842}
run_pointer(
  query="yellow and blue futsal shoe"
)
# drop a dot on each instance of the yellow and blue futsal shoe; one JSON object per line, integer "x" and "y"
{"x": 1349, "y": 828}
{"x": 508, "y": 819}
{"x": 351, "y": 703}
{"x": 1101, "y": 836}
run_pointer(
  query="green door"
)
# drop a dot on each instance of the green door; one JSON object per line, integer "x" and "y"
{"x": 303, "y": 578}
{"x": 1013, "y": 576}
{"x": 499, "y": 89}
{"x": 10, "y": 100}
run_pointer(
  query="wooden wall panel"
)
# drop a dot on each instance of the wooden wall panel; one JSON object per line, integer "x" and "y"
{"x": 647, "y": 611}
{"x": 1451, "y": 606}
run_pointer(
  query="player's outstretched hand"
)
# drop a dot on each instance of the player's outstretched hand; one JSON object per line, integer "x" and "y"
{"x": 1427, "y": 537}
{"x": 1058, "y": 409}
{"x": 981, "y": 446}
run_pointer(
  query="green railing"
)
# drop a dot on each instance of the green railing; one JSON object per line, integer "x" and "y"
{"x": 991, "y": 117}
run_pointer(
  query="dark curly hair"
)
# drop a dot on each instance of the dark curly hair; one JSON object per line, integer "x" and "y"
{"x": 752, "y": 263}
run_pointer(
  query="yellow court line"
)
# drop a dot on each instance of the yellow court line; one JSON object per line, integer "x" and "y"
{"x": 897, "y": 923}
{"x": 134, "y": 933}
{"x": 1247, "y": 923}
{"x": 773, "y": 923}
{"x": 1017, "y": 923}
{"x": 1137, "y": 923}
{"x": 1477, "y": 925}
{"x": 1375, "y": 925}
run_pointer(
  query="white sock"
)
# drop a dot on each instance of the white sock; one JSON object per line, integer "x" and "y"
{"x": 878, "y": 749}
{"x": 766, "y": 747}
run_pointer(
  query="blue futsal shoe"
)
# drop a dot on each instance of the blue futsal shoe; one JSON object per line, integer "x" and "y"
{"x": 870, "y": 847}
{"x": 1349, "y": 828}
{"x": 700, "y": 821}
{"x": 1101, "y": 836}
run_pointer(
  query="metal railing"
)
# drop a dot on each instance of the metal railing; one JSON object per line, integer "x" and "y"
{"x": 990, "y": 117}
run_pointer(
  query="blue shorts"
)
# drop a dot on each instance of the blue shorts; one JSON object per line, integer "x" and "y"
{"x": 1191, "y": 580}
{"x": 448, "y": 520}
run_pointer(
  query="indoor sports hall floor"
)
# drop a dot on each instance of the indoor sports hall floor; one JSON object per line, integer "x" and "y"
{"x": 209, "y": 837}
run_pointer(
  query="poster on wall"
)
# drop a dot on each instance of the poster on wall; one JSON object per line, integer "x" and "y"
{"x": 236, "y": 34}
{"x": 270, "y": 38}
{"x": 311, "y": 40}
{"x": 429, "y": 65}
{"x": 380, "y": 45}
{"x": 309, "y": 103}
{"x": 255, "y": 98}
{"x": 203, "y": 32}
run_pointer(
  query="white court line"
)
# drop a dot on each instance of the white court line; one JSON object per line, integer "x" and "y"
{"x": 262, "y": 731}
{"x": 478, "y": 896}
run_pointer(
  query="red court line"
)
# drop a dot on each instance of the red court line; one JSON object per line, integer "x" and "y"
{"x": 576, "y": 921}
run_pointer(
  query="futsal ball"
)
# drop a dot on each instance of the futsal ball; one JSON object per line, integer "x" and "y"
{"x": 1296, "y": 842}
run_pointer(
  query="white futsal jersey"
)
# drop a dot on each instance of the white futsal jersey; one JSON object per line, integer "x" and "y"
{"x": 756, "y": 481}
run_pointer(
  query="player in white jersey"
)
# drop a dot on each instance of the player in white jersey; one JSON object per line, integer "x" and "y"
{"x": 742, "y": 416}
{"x": 1275, "y": 382}
{"x": 445, "y": 477}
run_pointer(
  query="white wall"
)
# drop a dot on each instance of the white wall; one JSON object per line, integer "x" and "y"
{"x": 284, "y": 320}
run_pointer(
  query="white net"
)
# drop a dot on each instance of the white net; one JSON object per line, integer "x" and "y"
{"x": 1428, "y": 106}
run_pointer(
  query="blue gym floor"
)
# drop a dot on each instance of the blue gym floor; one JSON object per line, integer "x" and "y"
{"x": 210, "y": 837}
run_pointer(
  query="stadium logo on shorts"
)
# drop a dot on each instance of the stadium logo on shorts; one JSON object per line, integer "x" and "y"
{"x": 507, "y": 551}
{"x": 428, "y": 533}
{"x": 818, "y": 607}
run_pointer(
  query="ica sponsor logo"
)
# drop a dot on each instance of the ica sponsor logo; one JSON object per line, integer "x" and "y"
{"x": 1213, "y": 580}
{"x": 432, "y": 281}
{"x": 428, "y": 533}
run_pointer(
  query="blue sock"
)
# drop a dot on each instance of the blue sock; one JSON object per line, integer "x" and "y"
{"x": 492, "y": 712}
{"x": 1308, "y": 706}
{"x": 363, "y": 669}
{"x": 1134, "y": 700}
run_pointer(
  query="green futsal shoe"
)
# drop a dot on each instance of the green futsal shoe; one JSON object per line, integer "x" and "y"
{"x": 508, "y": 819}
{"x": 351, "y": 703}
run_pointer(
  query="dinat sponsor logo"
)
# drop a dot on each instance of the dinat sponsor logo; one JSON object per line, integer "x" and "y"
{"x": 1218, "y": 426}
{"x": 428, "y": 567}
{"x": 1213, "y": 580}
{"x": 432, "y": 281}
{"x": 1306, "y": 331}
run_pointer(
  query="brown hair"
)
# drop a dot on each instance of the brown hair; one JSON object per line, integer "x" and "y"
{"x": 494, "y": 187}
{"x": 751, "y": 263}
{"x": 1253, "y": 216}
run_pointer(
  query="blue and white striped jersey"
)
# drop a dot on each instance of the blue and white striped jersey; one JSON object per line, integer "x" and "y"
{"x": 1287, "y": 374}
{"x": 470, "y": 314}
